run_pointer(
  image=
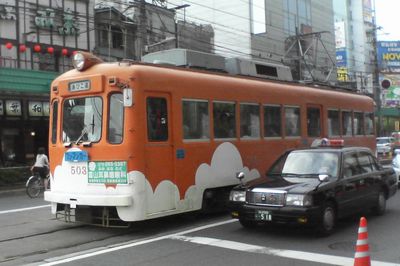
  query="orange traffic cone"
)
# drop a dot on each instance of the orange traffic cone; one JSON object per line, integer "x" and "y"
{"x": 362, "y": 258}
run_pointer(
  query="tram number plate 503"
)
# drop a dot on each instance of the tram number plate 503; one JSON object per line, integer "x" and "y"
{"x": 262, "y": 215}
{"x": 78, "y": 169}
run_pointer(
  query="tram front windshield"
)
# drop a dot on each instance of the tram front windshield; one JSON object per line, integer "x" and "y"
{"x": 82, "y": 119}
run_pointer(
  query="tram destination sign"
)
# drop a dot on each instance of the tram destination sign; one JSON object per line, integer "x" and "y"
{"x": 114, "y": 172}
{"x": 82, "y": 85}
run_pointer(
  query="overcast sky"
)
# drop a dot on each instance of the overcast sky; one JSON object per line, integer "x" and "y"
{"x": 387, "y": 16}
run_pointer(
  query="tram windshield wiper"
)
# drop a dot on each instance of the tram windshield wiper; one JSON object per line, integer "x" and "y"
{"x": 85, "y": 130}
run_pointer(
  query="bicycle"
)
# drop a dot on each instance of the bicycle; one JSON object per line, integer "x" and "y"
{"x": 34, "y": 185}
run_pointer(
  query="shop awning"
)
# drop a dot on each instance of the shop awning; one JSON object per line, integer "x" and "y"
{"x": 26, "y": 81}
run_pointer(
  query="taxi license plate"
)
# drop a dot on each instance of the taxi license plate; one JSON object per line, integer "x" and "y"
{"x": 263, "y": 215}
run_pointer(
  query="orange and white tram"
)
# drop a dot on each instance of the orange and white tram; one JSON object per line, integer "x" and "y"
{"x": 136, "y": 141}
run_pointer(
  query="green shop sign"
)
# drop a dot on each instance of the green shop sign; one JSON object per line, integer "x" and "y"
{"x": 50, "y": 19}
{"x": 108, "y": 172}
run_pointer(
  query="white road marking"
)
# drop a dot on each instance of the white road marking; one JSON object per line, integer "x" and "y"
{"x": 24, "y": 209}
{"x": 292, "y": 254}
{"x": 54, "y": 261}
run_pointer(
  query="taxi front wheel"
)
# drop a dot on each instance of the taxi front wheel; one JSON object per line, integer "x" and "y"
{"x": 328, "y": 220}
{"x": 380, "y": 206}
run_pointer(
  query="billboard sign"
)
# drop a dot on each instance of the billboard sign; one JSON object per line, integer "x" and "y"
{"x": 341, "y": 58}
{"x": 340, "y": 34}
{"x": 389, "y": 56}
{"x": 391, "y": 92}
{"x": 342, "y": 74}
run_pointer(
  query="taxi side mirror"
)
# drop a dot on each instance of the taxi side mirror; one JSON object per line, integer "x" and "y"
{"x": 323, "y": 177}
{"x": 240, "y": 176}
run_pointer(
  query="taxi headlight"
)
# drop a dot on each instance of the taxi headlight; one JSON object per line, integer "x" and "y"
{"x": 298, "y": 200}
{"x": 237, "y": 195}
{"x": 78, "y": 61}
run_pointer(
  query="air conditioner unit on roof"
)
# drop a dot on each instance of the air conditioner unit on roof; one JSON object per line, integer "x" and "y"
{"x": 186, "y": 58}
{"x": 245, "y": 67}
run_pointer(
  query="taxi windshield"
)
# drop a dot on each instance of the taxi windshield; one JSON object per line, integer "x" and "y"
{"x": 307, "y": 164}
{"x": 383, "y": 140}
{"x": 82, "y": 119}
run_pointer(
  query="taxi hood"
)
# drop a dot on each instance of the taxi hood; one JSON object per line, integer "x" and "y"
{"x": 293, "y": 184}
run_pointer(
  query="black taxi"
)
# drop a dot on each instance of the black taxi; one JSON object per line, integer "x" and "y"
{"x": 315, "y": 186}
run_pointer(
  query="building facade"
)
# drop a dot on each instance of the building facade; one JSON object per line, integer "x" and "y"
{"x": 132, "y": 29}
{"x": 291, "y": 24}
{"x": 355, "y": 44}
{"x": 37, "y": 39}
{"x": 266, "y": 29}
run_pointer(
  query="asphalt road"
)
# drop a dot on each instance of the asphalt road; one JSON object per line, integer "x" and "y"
{"x": 29, "y": 235}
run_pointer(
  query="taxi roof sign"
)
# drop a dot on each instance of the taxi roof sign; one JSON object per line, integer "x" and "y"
{"x": 325, "y": 142}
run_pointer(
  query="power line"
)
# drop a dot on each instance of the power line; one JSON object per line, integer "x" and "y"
{"x": 232, "y": 31}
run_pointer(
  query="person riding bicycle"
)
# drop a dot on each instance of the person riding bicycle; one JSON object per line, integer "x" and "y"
{"x": 41, "y": 166}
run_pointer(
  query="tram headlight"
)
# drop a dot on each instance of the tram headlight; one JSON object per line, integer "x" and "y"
{"x": 237, "y": 195}
{"x": 78, "y": 61}
{"x": 84, "y": 60}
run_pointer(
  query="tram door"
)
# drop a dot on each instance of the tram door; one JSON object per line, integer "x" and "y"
{"x": 159, "y": 160}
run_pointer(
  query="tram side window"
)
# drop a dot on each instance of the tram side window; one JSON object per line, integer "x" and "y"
{"x": 224, "y": 119}
{"x": 196, "y": 122}
{"x": 292, "y": 121}
{"x": 272, "y": 121}
{"x": 313, "y": 122}
{"x": 249, "y": 120}
{"x": 116, "y": 118}
{"x": 347, "y": 123}
{"x": 54, "y": 122}
{"x": 157, "y": 119}
{"x": 358, "y": 123}
{"x": 333, "y": 123}
{"x": 369, "y": 124}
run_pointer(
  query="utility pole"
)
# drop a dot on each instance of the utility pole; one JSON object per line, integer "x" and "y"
{"x": 377, "y": 87}
{"x": 176, "y": 21}
{"x": 142, "y": 42}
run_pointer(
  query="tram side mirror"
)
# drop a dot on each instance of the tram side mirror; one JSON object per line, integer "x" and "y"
{"x": 128, "y": 97}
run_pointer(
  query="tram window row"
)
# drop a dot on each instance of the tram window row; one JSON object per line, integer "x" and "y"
{"x": 278, "y": 121}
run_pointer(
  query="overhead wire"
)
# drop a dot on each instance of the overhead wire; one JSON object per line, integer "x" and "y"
{"x": 228, "y": 30}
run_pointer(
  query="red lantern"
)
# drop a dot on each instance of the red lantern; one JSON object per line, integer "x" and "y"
{"x": 64, "y": 52}
{"x": 37, "y": 48}
{"x": 9, "y": 45}
{"x": 22, "y": 48}
{"x": 50, "y": 50}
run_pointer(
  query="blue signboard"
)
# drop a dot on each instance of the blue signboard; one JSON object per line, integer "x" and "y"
{"x": 389, "y": 56}
{"x": 341, "y": 58}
